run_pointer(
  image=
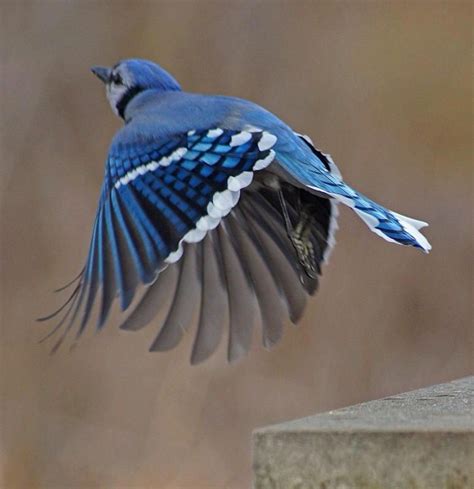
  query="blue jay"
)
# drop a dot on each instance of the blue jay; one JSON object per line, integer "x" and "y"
{"x": 222, "y": 211}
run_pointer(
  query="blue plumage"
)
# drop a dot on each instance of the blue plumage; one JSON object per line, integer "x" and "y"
{"x": 217, "y": 201}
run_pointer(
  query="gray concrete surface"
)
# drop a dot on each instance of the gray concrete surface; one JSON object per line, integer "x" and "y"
{"x": 422, "y": 439}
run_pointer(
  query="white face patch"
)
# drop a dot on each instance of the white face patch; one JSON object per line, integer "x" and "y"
{"x": 116, "y": 90}
{"x": 115, "y": 94}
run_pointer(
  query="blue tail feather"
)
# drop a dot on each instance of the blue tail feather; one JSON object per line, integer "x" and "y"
{"x": 389, "y": 225}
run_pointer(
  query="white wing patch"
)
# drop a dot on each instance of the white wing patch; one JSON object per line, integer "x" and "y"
{"x": 240, "y": 181}
{"x": 240, "y": 138}
{"x": 223, "y": 202}
{"x": 176, "y": 155}
{"x": 212, "y": 133}
{"x": 264, "y": 162}
{"x": 268, "y": 141}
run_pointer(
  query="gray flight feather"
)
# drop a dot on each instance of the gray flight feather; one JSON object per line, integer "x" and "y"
{"x": 180, "y": 314}
{"x": 214, "y": 308}
{"x": 153, "y": 300}
{"x": 270, "y": 300}
{"x": 279, "y": 262}
{"x": 243, "y": 307}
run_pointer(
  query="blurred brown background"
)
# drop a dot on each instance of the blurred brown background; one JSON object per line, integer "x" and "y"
{"x": 384, "y": 86}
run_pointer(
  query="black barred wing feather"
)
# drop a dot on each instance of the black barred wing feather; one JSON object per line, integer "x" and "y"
{"x": 194, "y": 221}
{"x": 156, "y": 198}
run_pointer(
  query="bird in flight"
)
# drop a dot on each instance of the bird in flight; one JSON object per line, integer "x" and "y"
{"x": 219, "y": 210}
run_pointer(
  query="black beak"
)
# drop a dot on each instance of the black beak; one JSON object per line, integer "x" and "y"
{"x": 101, "y": 72}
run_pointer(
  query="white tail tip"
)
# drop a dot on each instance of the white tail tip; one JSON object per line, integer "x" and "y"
{"x": 412, "y": 226}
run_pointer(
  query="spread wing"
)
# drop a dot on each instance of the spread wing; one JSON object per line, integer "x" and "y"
{"x": 159, "y": 199}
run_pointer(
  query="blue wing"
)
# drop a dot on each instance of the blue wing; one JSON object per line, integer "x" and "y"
{"x": 158, "y": 197}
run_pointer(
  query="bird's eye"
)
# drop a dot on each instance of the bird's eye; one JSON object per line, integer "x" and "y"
{"x": 116, "y": 78}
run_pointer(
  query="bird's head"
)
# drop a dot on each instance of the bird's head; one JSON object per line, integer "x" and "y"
{"x": 130, "y": 77}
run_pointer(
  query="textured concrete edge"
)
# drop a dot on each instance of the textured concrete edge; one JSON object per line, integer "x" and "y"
{"x": 441, "y": 460}
{"x": 273, "y": 430}
{"x": 421, "y": 439}
{"x": 445, "y": 407}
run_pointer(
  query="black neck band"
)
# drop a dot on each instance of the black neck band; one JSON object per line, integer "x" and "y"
{"x": 127, "y": 96}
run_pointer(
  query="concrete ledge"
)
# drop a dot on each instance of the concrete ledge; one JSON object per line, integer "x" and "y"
{"x": 422, "y": 439}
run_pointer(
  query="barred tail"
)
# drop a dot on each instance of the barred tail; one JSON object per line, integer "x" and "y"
{"x": 390, "y": 225}
{"x": 394, "y": 227}
{"x": 328, "y": 182}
